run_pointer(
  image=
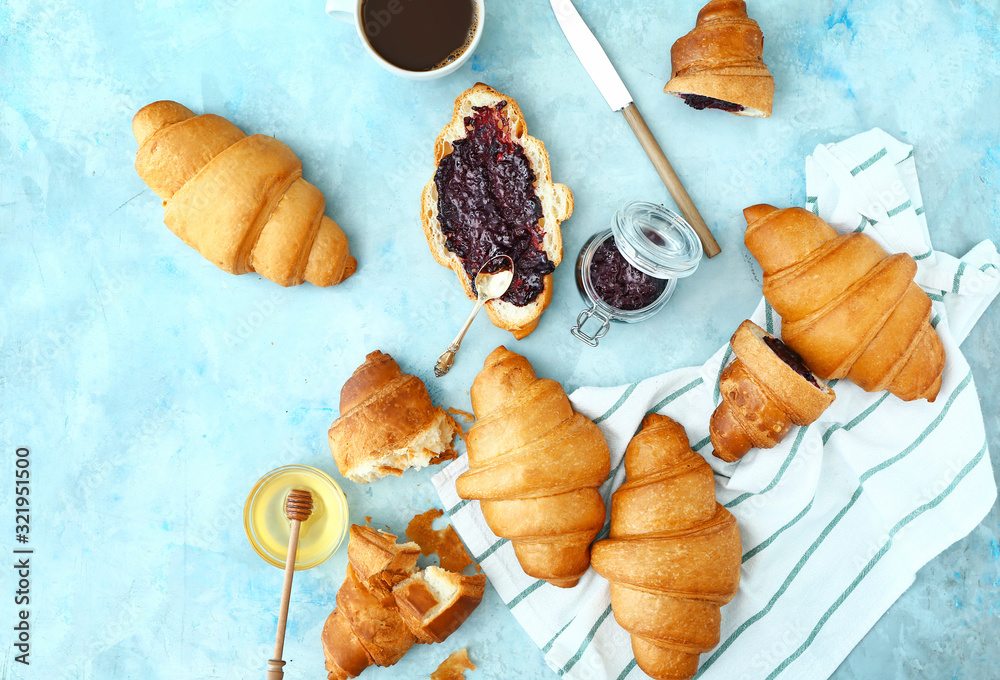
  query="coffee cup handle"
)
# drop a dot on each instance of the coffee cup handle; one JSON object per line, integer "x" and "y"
{"x": 341, "y": 9}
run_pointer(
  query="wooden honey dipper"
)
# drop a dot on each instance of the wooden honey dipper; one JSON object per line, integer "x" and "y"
{"x": 298, "y": 507}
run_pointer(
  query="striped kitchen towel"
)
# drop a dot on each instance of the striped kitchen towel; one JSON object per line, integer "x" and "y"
{"x": 837, "y": 519}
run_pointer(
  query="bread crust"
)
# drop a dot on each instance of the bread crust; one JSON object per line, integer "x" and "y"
{"x": 431, "y": 618}
{"x": 377, "y": 625}
{"x": 556, "y": 200}
{"x": 379, "y": 562}
{"x": 345, "y": 655}
{"x": 388, "y": 423}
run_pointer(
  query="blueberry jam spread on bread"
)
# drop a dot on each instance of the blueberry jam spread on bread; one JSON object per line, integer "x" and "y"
{"x": 620, "y": 284}
{"x": 790, "y": 357}
{"x": 701, "y": 102}
{"x": 487, "y": 204}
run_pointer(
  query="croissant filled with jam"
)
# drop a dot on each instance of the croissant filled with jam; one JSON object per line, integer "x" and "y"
{"x": 492, "y": 194}
{"x": 765, "y": 391}
{"x": 719, "y": 64}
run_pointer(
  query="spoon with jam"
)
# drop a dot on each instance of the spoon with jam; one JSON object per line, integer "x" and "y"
{"x": 492, "y": 281}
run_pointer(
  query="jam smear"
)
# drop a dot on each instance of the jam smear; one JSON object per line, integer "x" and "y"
{"x": 790, "y": 357}
{"x": 701, "y": 102}
{"x": 620, "y": 284}
{"x": 487, "y": 204}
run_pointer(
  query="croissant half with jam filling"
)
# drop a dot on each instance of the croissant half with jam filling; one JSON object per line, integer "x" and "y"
{"x": 719, "y": 64}
{"x": 535, "y": 465}
{"x": 239, "y": 201}
{"x": 492, "y": 194}
{"x": 847, "y": 307}
{"x": 765, "y": 391}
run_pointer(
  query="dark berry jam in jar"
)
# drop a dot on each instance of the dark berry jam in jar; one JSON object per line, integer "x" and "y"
{"x": 628, "y": 273}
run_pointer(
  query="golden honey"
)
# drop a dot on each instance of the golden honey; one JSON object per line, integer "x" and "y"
{"x": 267, "y": 528}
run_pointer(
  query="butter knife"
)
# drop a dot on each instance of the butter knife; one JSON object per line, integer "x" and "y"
{"x": 600, "y": 69}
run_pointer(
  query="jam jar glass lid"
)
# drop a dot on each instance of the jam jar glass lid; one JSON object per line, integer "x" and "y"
{"x": 656, "y": 240}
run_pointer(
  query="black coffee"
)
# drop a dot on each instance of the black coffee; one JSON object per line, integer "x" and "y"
{"x": 419, "y": 35}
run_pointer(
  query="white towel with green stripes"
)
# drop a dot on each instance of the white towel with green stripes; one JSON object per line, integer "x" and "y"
{"x": 837, "y": 519}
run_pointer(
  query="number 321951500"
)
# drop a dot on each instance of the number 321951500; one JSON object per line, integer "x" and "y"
{"x": 22, "y": 476}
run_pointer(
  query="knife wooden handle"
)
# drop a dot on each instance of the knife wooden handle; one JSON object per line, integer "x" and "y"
{"x": 671, "y": 180}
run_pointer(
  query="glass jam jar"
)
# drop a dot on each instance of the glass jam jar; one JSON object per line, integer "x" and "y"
{"x": 629, "y": 272}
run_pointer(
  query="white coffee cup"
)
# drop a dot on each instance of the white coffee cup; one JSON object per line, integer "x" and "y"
{"x": 350, "y": 11}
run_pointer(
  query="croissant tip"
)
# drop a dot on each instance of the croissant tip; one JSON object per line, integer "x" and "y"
{"x": 496, "y": 356}
{"x": 756, "y": 212}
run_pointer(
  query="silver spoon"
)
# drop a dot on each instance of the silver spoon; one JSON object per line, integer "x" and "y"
{"x": 489, "y": 287}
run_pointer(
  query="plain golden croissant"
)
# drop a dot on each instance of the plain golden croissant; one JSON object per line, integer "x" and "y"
{"x": 719, "y": 64}
{"x": 765, "y": 391}
{"x": 535, "y": 465}
{"x": 388, "y": 423}
{"x": 846, "y": 306}
{"x": 673, "y": 556}
{"x": 240, "y": 201}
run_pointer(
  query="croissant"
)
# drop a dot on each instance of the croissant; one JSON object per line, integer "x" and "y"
{"x": 492, "y": 194}
{"x": 849, "y": 309}
{"x": 535, "y": 465}
{"x": 388, "y": 424}
{"x": 718, "y": 65}
{"x": 240, "y": 201}
{"x": 765, "y": 391}
{"x": 673, "y": 556}
{"x": 384, "y": 606}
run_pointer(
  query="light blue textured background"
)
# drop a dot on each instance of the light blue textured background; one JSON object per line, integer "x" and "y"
{"x": 153, "y": 389}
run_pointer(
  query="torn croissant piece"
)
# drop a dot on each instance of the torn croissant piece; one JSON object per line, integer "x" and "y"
{"x": 765, "y": 391}
{"x": 385, "y": 606}
{"x": 673, "y": 556}
{"x": 435, "y": 602}
{"x": 388, "y": 423}
{"x": 379, "y": 562}
{"x": 345, "y": 655}
{"x": 240, "y": 201}
{"x": 848, "y": 308}
{"x": 719, "y": 64}
{"x": 376, "y": 624}
{"x": 535, "y": 465}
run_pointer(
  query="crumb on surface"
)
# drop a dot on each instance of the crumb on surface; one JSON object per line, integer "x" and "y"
{"x": 454, "y": 667}
{"x": 464, "y": 415}
{"x": 445, "y": 543}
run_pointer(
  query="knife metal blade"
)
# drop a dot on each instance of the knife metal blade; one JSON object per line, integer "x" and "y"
{"x": 603, "y": 73}
{"x": 591, "y": 55}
